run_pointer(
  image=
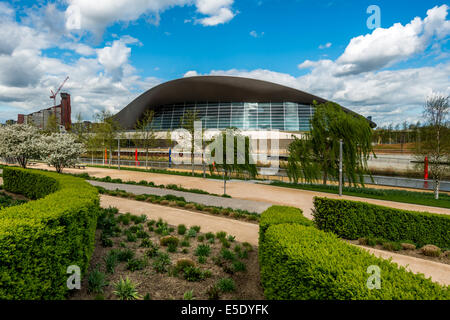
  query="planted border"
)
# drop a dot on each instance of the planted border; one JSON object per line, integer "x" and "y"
{"x": 353, "y": 220}
{"x": 40, "y": 239}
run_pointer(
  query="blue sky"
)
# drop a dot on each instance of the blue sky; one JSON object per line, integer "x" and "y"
{"x": 122, "y": 48}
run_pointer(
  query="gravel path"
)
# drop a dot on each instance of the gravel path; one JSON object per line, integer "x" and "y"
{"x": 249, "y": 205}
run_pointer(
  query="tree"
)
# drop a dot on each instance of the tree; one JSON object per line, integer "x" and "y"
{"x": 61, "y": 150}
{"x": 241, "y": 159}
{"x": 188, "y": 122}
{"x": 105, "y": 131}
{"x": 20, "y": 142}
{"x": 435, "y": 138}
{"x": 316, "y": 155}
{"x": 51, "y": 125}
{"x": 145, "y": 134}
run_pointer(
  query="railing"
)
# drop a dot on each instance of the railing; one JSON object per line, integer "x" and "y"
{"x": 280, "y": 175}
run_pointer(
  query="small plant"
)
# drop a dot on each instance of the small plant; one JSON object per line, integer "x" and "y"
{"x": 213, "y": 293}
{"x": 225, "y": 243}
{"x": 106, "y": 241}
{"x": 111, "y": 261}
{"x": 146, "y": 243}
{"x": 151, "y": 223}
{"x": 202, "y": 259}
{"x": 248, "y": 246}
{"x": 196, "y": 228}
{"x": 185, "y": 243}
{"x": 221, "y": 235}
{"x": 126, "y": 290}
{"x": 136, "y": 264}
{"x": 209, "y": 236}
{"x": 191, "y": 233}
{"x": 169, "y": 240}
{"x": 131, "y": 237}
{"x": 96, "y": 281}
{"x": 188, "y": 295}
{"x": 226, "y": 285}
{"x": 431, "y": 250}
{"x": 227, "y": 254}
{"x": 142, "y": 234}
{"x": 152, "y": 252}
{"x": 183, "y": 264}
{"x": 193, "y": 274}
{"x": 185, "y": 251}
{"x": 408, "y": 246}
{"x": 203, "y": 250}
{"x": 231, "y": 238}
{"x": 162, "y": 262}
{"x": 201, "y": 238}
{"x": 239, "y": 266}
{"x": 125, "y": 255}
{"x": 147, "y": 296}
{"x": 172, "y": 247}
{"x": 242, "y": 254}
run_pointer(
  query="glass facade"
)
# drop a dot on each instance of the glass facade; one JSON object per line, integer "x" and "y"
{"x": 287, "y": 116}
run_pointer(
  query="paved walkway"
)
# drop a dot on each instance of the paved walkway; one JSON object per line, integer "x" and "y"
{"x": 208, "y": 200}
{"x": 248, "y": 232}
{"x": 269, "y": 194}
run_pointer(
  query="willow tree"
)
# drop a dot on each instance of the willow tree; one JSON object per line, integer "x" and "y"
{"x": 316, "y": 155}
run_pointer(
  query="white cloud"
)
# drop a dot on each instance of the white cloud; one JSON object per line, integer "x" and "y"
{"x": 255, "y": 34}
{"x": 95, "y": 16}
{"x": 190, "y": 74}
{"x": 325, "y": 46}
{"x": 384, "y": 47}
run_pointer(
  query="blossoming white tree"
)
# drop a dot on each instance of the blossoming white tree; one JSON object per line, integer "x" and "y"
{"x": 61, "y": 150}
{"x": 21, "y": 142}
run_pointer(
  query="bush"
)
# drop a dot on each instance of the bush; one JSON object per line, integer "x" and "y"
{"x": 169, "y": 240}
{"x": 181, "y": 229}
{"x": 40, "y": 239}
{"x": 300, "y": 262}
{"x": 431, "y": 251}
{"x": 96, "y": 281}
{"x": 353, "y": 220}
{"x": 136, "y": 264}
{"x": 126, "y": 290}
{"x": 226, "y": 285}
{"x": 280, "y": 215}
{"x": 203, "y": 250}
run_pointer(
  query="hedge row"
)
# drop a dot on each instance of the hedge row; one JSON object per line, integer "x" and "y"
{"x": 39, "y": 240}
{"x": 353, "y": 220}
{"x": 301, "y": 262}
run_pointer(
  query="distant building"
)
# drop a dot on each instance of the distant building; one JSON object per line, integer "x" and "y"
{"x": 62, "y": 112}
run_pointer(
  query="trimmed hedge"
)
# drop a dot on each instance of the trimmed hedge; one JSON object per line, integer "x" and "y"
{"x": 353, "y": 220}
{"x": 40, "y": 239}
{"x": 281, "y": 215}
{"x": 301, "y": 262}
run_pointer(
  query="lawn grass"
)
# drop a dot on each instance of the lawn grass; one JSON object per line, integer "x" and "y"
{"x": 404, "y": 196}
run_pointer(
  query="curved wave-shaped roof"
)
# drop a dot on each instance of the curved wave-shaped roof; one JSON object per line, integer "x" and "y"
{"x": 211, "y": 89}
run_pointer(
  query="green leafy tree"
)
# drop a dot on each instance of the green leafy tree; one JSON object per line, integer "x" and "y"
{"x": 52, "y": 125}
{"x": 316, "y": 155}
{"x": 188, "y": 122}
{"x": 242, "y": 162}
{"x": 106, "y": 131}
{"x": 145, "y": 134}
{"x": 434, "y": 140}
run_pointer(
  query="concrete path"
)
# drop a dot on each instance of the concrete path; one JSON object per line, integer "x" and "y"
{"x": 243, "y": 231}
{"x": 269, "y": 194}
{"x": 208, "y": 200}
{"x": 248, "y": 232}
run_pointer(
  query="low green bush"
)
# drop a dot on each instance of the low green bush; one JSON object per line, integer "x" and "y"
{"x": 280, "y": 215}
{"x": 40, "y": 239}
{"x": 301, "y": 262}
{"x": 353, "y": 220}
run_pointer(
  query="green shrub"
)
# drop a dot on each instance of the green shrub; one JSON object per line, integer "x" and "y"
{"x": 203, "y": 250}
{"x": 193, "y": 274}
{"x": 300, "y": 262}
{"x": 183, "y": 264}
{"x": 181, "y": 229}
{"x": 136, "y": 264}
{"x": 111, "y": 261}
{"x": 167, "y": 240}
{"x": 280, "y": 215}
{"x": 125, "y": 255}
{"x": 162, "y": 262}
{"x": 226, "y": 285}
{"x": 239, "y": 266}
{"x": 40, "y": 239}
{"x": 96, "y": 281}
{"x": 353, "y": 220}
{"x": 126, "y": 290}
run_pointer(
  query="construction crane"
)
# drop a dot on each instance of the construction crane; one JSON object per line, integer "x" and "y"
{"x": 54, "y": 94}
